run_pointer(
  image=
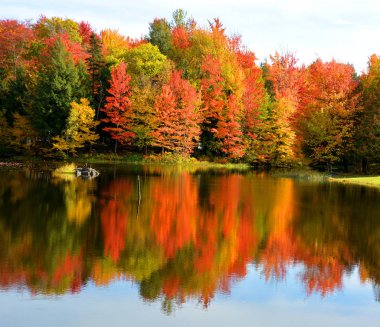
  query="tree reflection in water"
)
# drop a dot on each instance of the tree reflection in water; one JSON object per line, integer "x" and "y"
{"x": 194, "y": 236}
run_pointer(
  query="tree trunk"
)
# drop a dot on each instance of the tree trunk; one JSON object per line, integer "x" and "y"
{"x": 115, "y": 146}
{"x": 329, "y": 167}
{"x": 364, "y": 165}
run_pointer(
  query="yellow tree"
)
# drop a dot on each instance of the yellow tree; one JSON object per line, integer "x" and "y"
{"x": 115, "y": 45}
{"x": 286, "y": 81}
{"x": 80, "y": 128}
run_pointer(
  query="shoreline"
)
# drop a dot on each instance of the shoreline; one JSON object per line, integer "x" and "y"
{"x": 371, "y": 181}
{"x": 303, "y": 173}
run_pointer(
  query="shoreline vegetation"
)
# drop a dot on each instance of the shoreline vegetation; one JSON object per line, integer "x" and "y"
{"x": 372, "y": 181}
{"x": 167, "y": 159}
{"x": 300, "y": 174}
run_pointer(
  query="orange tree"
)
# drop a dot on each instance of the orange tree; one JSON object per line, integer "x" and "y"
{"x": 118, "y": 108}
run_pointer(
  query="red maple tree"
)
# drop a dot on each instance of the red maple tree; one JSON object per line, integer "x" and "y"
{"x": 181, "y": 38}
{"x": 13, "y": 39}
{"x": 118, "y": 106}
{"x": 229, "y": 131}
{"x": 178, "y": 116}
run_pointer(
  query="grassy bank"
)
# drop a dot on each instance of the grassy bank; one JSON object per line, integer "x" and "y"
{"x": 366, "y": 181}
{"x": 161, "y": 159}
{"x": 303, "y": 173}
{"x": 315, "y": 176}
{"x": 166, "y": 159}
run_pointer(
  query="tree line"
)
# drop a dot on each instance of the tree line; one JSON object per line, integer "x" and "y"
{"x": 185, "y": 89}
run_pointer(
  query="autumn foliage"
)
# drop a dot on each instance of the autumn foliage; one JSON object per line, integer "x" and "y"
{"x": 117, "y": 108}
{"x": 190, "y": 236}
{"x": 178, "y": 116}
{"x": 187, "y": 90}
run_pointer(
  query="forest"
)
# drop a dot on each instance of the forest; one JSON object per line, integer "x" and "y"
{"x": 67, "y": 90}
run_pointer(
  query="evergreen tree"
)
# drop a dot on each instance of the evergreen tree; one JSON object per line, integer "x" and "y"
{"x": 13, "y": 93}
{"x": 5, "y": 136}
{"x": 96, "y": 64}
{"x": 58, "y": 84}
{"x": 160, "y": 35}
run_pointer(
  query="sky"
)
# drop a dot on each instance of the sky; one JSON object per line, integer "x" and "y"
{"x": 252, "y": 302}
{"x": 345, "y": 30}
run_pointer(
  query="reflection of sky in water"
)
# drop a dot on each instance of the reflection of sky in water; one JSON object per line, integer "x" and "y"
{"x": 252, "y": 302}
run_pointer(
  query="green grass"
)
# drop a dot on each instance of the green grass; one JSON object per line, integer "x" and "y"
{"x": 111, "y": 158}
{"x": 368, "y": 181}
{"x": 303, "y": 173}
{"x": 167, "y": 159}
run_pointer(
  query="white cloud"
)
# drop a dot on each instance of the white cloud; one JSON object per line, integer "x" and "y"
{"x": 342, "y": 22}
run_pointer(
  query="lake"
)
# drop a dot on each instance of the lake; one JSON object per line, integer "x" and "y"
{"x": 146, "y": 245}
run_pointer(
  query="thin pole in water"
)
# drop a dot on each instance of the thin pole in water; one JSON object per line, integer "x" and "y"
{"x": 139, "y": 191}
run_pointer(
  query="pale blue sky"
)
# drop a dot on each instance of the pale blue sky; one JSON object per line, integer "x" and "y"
{"x": 347, "y": 30}
{"x": 252, "y": 302}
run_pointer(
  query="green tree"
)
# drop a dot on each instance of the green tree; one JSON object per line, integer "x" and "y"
{"x": 4, "y": 133}
{"x": 14, "y": 95}
{"x": 58, "y": 84}
{"x": 146, "y": 62}
{"x": 96, "y": 66}
{"x": 160, "y": 35}
{"x": 149, "y": 70}
{"x": 179, "y": 18}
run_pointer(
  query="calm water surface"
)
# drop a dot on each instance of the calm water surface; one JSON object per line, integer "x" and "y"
{"x": 186, "y": 248}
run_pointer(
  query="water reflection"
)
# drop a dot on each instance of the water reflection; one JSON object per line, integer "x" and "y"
{"x": 189, "y": 236}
